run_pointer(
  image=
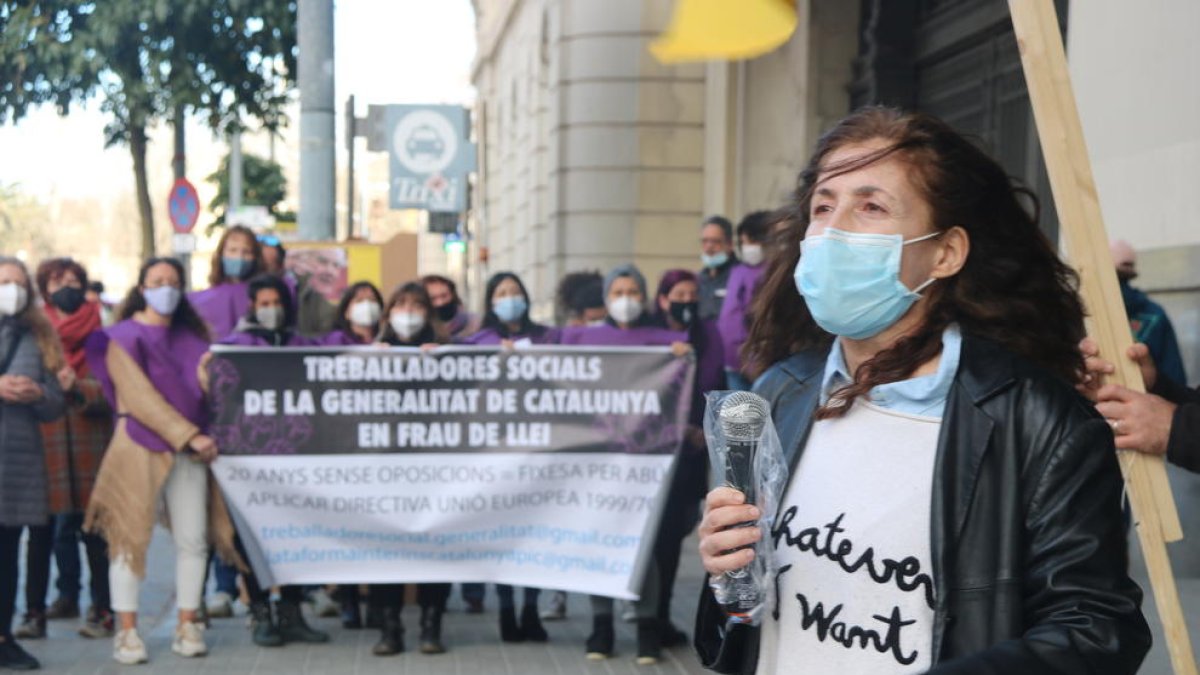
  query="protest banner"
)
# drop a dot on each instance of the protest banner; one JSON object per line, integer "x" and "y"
{"x": 539, "y": 467}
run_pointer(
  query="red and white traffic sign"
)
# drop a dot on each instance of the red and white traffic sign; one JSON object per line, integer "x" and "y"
{"x": 183, "y": 206}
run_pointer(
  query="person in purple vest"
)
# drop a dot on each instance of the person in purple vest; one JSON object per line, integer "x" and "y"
{"x": 677, "y": 305}
{"x": 237, "y": 258}
{"x": 506, "y": 322}
{"x": 734, "y": 320}
{"x": 159, "y": 454}
{"x": 506, "y": 315}
{"x": 271, "y": 322}
{"x": 359, "y": 313}
{"x": 410, "y": 324}
{"x": 628, "y": 325}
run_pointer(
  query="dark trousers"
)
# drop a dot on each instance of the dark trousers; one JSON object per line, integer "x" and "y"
{"x": 10, "y": 543}
{"x": 506, "y": 596}
{"x": 680, "y": 515}
{"x": 474, "y": 591}
{"x": 290, "y": 594}
{"x": 391, "y": 596}
{"x": 66, "y": 535}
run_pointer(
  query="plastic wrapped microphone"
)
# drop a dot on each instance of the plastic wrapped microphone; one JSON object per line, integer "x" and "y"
{"x": 746, "y": 455}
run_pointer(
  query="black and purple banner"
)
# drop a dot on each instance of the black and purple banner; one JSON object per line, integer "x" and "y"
{"x": 542, "y": 466}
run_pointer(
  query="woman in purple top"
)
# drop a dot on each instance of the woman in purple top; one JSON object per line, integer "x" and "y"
{"x": 505, "y": 322}
{"x": 506, "y": 315}
{"x": 271, "y": 322}
{"x": 358, "y": 314}
{"x": 628, "y": 325}
{"x": 678, "y": 309}
{"x": 734, "y": 320}
{"x": 148, "y": 365}
{"x": 237, "y": 258}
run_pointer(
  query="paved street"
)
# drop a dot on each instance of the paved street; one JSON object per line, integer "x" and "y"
{"x": 475, "y": 647}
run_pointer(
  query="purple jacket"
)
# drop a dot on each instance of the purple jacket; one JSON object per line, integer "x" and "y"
{"x": 733, "y": 322}
{"x": 490, "y": 336}
{"x": 221, "y": 307}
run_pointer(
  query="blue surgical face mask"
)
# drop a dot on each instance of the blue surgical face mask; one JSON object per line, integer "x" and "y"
{"x": 851, "y": 282}
{"x": 511, "y": 308}
{"x": 715, "y": 260}
{"x": 235, "y": 268}
{"x": 163, "y": 299}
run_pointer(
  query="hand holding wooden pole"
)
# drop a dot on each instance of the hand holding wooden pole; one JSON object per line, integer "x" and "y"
{"x": 1070, "y": 172}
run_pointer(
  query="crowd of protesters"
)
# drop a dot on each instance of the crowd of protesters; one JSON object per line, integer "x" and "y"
{"x": 927, "y": 309}
{"x": 110, "y": 412}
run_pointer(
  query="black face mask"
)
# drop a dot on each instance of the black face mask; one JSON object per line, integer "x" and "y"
{"x": 684, "y": 312}
{"x": 446, "y": 312}
{"x": 68, "y": 298}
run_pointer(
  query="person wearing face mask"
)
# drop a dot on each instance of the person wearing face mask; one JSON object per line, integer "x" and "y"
{"x": 506, "y": 315}
{"x": 677, "y": 306}
{"x": 506, "y": 322}
{"x": 410, "y": 324}
{"x": 74, "y": 446}
{"x": 628, "y": 325}
{"x": 359, "y": 313}
{"x": 923, "y": 334}
{"x": 734, "y": 320}
{"x": 718, "y": 260}
{"x": 448, "y": 307}
{"x": 148, "y": 364}
{"x": 30, "y": 360}
{"x": 237, "y": 258}
{"x": 271, "y": 322}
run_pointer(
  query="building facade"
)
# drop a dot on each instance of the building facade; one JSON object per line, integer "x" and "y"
{"x": 594, "y": 153}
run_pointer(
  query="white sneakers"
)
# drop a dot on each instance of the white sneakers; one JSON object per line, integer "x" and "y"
{"x": 189, "y": 640}
{"x": 128, "y": 648}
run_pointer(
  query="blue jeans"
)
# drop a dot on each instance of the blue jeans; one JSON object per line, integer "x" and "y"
{"x": 66, "y": 554}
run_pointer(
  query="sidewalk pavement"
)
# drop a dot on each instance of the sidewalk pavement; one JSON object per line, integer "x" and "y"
{"x": 473, "y": 639}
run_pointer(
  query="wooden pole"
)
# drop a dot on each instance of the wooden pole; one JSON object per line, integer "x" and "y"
{"x": 1156, "y": 520}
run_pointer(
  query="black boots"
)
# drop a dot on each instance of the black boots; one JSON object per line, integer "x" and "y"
{"x": 531, "y": 624}
{"x": 264, "y": 632}
{"x": 391, "y": 638}
{"x": 649, "y": 642}
{"x": 293, "y": 627}
{"x": 509, "y": 630}
{"x": 13, "y": 657}
{"x": 431, "y": 631}
{"x": 600, "y": 642}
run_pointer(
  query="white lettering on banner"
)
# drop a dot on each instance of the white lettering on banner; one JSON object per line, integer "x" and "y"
{"x": 459, "y": 368}
{"x": 591, "y": 402}
{"x": 572, "y": 521}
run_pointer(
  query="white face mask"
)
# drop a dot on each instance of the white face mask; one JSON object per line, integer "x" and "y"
{"x": 752, "y": 254}
{"x": 624, "y": 309}
{"x": 270, "y": 318}
{"x": 406, "y": 324}
{"x": 365, "y": 313}
{"x": 13, "y": 298}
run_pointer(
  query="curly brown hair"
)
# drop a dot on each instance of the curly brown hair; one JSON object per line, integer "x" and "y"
{"x": 1013, "y": 289}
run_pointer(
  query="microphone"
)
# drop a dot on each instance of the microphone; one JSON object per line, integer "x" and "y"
{"x": 743, "y": 416}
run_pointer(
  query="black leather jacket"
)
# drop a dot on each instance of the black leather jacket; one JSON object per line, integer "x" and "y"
{"x": 1028, "y": 541}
